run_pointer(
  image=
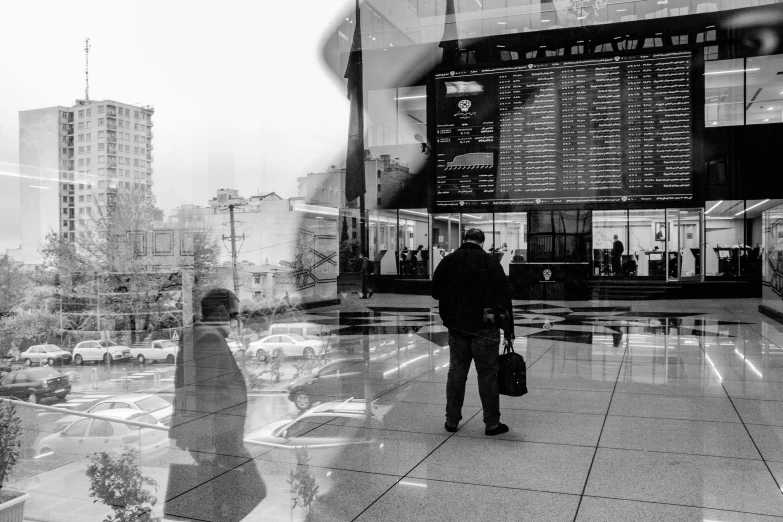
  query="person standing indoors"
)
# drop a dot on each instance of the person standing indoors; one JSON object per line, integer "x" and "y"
{"x": 367, "y": 269}
{"x": 474, "y": 303}
{"x": 617, "y": 256}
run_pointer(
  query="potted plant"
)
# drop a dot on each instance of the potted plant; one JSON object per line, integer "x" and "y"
{"x": 11, "y": 502}
{"x": 119, "y": 484}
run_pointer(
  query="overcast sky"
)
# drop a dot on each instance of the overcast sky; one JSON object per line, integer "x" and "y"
{"x": 233, "y": 83}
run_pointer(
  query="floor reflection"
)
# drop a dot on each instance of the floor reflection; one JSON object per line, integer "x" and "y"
{"x": 649, "y": 411}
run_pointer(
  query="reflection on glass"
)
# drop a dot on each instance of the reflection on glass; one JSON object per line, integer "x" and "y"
{"x": 723, "y": 92}
{"x": 764, "y": 90}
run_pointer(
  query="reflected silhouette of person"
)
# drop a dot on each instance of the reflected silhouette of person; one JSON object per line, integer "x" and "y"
{"x": 210, "y": 406}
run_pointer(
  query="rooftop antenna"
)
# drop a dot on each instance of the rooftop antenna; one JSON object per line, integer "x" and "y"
{"x": 87, "y": 69}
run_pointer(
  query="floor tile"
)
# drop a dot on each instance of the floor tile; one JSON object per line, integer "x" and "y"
{"x": 417, "y": 499}
{"x": 769, "y": 440}
{"x": 567, "y": 401}
{"x": 595, "y": 509}
{"x": 711, "y": 482}
{"x": 373, "y": 451}
{"x": 525, "y": 465}
{"x": 660, "y": 384}
{"x": 417, "y": 417}
{"x": 673, "y": 407}
{"x": 723, "y": 439}
{"x": 430, "y": 393}
{"x": 542, "y": 426}
{"x": 595, "y": 381}
{"x": 750, "y": 389}
{"x": 751, "y": 411}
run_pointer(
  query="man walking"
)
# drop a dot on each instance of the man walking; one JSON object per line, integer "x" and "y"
{"x": 475, "y": 303}
{"x": 617, "y": 256}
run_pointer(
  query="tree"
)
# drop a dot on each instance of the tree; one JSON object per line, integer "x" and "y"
{"x": 304, "y": 489}
{"x": 14, "y": 284}
{"x": 107, "y": 267}
{"x": 10, "y": 441}
{"x": 119, "y": 484}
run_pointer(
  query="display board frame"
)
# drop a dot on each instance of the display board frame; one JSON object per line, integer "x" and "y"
{"x": 697, "y": 132}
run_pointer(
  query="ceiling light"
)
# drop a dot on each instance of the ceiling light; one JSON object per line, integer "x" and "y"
{"x": 501, "y": 23}
{"x": 732, "y": 71}
{"x": 770, "y": 108}
{"x": 621, "y": 10}
{"x": 767, "y": 119}
{"x": 547, "y": 20}
{"x": 713, "y": 207}
{"x": 751, "y": 207}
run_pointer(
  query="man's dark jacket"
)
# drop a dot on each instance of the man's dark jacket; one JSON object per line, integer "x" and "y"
{"x": 465, "y": 283}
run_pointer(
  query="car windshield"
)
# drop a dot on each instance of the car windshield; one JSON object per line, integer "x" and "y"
{"x": 152, "y": 404}
{"x": 107, "y": 344}
{"x": 51, "y": 348}
{"x": 43, "y": 373}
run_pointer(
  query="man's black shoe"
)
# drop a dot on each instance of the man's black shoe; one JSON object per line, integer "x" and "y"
{"x": 451, "y": 429}
{"x": 370, "y": 295}
{"x": 497, "y": 430}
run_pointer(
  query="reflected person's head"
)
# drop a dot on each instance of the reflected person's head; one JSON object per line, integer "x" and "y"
{"x": 615, "y": 238}
{"x": 474, "y": 235}
{"x": 219, "y": 305}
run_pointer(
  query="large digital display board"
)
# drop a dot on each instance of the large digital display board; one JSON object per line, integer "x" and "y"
{"x": 582, "y": 131}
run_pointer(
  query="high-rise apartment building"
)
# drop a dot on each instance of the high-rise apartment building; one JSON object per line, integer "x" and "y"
{"x": 74, "y": 160}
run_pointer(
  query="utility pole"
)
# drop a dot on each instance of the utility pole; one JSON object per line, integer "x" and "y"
{"x": 233, "y": 238}
{"x": 230, "y": 199}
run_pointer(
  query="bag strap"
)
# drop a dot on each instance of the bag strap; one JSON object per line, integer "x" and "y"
{"x": 508, "y": 346}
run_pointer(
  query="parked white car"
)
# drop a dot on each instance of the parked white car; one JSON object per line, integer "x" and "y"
{"x": 346, "y": 420}
{"x": 160, "y": 350}
{"x": 49, "y": 354}
{"x": 87, "y": 435}
{"x": 159, "y": 408}
{"x": 105, "y": 351}
{"x": 293, "y": 345}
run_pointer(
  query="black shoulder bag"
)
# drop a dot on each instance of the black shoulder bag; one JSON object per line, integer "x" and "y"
{"x": 512, "y": 375}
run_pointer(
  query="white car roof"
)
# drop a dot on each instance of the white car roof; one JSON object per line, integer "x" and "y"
{"x": 122, "y": 413}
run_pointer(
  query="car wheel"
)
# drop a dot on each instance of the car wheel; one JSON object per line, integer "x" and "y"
{"x": 51, "y": 361}
{"x": 32, "y": 398}
{"x": 140, "y": 358}
{"x": 107, "y": 358}
{"x": 303, "y": 401}
{"x": 170, "y": 359}
{"x": 261, "y": 355}
{"x": 28, "y": 362}
{"x": 309, "y": 352}
{"x": 78, "y": 360}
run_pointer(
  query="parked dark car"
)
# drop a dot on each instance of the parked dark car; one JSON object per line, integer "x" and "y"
{"x": 35, "y": 384}
{"x": 341, "y": 379}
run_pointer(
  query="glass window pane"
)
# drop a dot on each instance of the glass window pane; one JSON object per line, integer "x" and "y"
{"x": 723, "y": 92}
{"x": 510, "y": 230}
{"x": 764, "y": 90}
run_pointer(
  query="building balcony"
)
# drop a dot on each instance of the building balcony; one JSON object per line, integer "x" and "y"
{"x": 112, "y": 149}
{"x": 111, "y": 114}
{"x": 149, "y": 134}
{"x": 112, "y": 126}
{"x": 111, "y": 164}
{"x": 149, "y": 156}
{"x": 111, "y": 138}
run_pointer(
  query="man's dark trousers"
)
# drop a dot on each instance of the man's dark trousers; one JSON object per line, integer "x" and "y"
{"x": 481, "y": 347}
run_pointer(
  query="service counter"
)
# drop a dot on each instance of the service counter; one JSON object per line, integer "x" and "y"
{"x": 549, "y": 281}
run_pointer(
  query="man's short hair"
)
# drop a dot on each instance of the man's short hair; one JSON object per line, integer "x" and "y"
{"x": 475, "y": 235}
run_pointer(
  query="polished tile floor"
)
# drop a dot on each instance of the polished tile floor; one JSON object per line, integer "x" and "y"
{"x": 636, "y": 411}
